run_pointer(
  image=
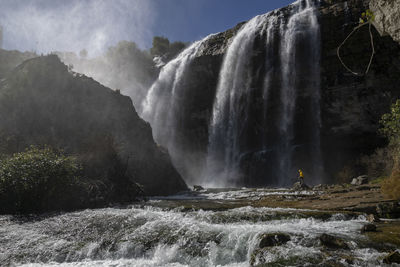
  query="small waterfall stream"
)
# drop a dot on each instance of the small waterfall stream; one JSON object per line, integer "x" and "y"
{"x": 164, "y": 105}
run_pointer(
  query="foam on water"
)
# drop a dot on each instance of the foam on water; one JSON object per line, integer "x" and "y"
{"x": 146, "y": 236}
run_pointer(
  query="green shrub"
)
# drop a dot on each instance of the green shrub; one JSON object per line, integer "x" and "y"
{"x": 391, "y": 129}
{"x": 37, "y": 180}
{"x": 391, "y": 124}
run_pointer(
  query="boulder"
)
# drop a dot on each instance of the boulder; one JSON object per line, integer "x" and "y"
{"x": 197, "y": 188}
{"x": 333, "y": 242}
{"x": 300, "y": 186}
{"x": 373, "y": 218}
{"x": 387, "y": 17}
{"x": 393, "y": 257}
{"x": 368, "y": 228}
{"x": 273, "y": 239}
{"x": 360, "y": 180}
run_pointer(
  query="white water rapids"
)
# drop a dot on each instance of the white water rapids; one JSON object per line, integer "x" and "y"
{"x": 151, "y": 234}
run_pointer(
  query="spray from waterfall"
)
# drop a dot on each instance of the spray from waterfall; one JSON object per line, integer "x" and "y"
{"x": 163, "y": 105}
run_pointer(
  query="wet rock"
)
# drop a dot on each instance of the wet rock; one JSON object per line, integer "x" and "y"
{"x": 273, "y": 239}
{"x": 373, "y": 218}
{"x": 333, "y": 242}
{"x": 389, "y": 210}
{"x": 360, "y": 180}
{"x": 300, "y": 186}
{"x": 368, "y": 228}
{"x": 393, "y": 257}
{"x": 197, "y": 188}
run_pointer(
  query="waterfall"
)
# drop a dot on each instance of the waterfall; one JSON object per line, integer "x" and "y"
{"x": 237, "y": 149}
{"x": 163, "y": 105}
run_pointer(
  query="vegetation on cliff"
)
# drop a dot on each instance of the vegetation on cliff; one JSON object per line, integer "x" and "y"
{"x": 391, "y": 129}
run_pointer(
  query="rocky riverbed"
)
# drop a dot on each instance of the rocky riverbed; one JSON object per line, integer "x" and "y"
{"x": 212, "y": 227}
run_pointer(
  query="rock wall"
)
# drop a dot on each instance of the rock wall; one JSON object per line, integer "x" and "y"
{"x": 352, "y": 105}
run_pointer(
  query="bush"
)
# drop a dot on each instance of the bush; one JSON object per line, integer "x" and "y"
{"x": 391, "y": 129}
{"x": 37, "y": 180}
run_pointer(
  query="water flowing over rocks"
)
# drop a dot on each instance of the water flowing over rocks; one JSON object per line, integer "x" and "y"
{"x": 155, "y": 234}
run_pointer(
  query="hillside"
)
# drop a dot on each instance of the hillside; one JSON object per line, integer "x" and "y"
{"x": 43, "y": 103}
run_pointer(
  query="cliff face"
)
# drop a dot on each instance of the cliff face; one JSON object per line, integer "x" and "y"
{"x": 41, "y": 102}
{"x": 387, "y": 17}
{"x": 351, "y": 106}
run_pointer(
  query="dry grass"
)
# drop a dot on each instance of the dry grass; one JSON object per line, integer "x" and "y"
{"x": 391, "y": 186}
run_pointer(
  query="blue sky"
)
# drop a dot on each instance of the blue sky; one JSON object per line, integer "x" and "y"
{"x": 71, "y": 25}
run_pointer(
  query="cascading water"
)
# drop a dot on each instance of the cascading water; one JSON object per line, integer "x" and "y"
{"x": 290, "y": 73}
{"x": 163, "y": 105}
{"x": 151, "y": 235}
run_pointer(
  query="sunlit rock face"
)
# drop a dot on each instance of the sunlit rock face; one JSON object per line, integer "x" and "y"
{"x": 43, "y": 103}
{"x": 270, "y": 96}
{"x": 387, "y": 17}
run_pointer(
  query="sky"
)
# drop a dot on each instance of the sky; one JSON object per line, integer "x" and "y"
{"x": 44, "y": 26}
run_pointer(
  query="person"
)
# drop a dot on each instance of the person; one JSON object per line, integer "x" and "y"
{"x": 301, "y": 176}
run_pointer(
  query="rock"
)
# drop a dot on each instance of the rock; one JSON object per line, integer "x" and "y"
{"x": 300, "y": 186}
{"x": 390, "y": 210}
{"x": 387, "y": 17}
{"x": 373, "y": 218}
{"x": 333, "y": 242}
{"x": 273, "y": 239}
{"x": 320, "y": 187}
{"x": 197, "y": 188}
{"x": 368, "y": 228}
{"x": 360, "y": 180}
{"x": 393, "y": 257}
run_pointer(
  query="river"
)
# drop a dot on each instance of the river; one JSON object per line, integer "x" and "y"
{"x": 208, "y": 228}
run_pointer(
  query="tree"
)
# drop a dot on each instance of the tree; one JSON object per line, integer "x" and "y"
{"x": 160, "y": 46}
{"x": 391, "y": 129}
{"x": 391, "y": 124}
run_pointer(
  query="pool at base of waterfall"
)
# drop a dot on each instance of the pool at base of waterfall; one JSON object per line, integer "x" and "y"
{"x": 160, "y": 232}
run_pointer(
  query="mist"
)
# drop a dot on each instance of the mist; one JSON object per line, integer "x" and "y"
{"x": 46, "y": 26}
